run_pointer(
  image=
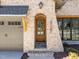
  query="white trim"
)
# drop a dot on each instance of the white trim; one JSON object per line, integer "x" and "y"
{"x": 14, "y": 5}
{"x": 12, "y": 15}
{"x": 71, "y": 42}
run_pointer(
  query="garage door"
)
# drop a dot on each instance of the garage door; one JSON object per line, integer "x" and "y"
{"x": 11, "y": 33}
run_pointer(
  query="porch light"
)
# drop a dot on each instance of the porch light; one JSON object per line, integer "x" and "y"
{"x": 40, "y": 5}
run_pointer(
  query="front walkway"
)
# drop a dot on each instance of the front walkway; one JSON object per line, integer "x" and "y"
{"x": 10, "y": 54}
{"x": 18, "y": 54}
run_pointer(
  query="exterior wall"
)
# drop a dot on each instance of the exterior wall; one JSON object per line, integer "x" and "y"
{"x": 53, "y": 39}
{"x": 71, "y": 7}
{"x": 13, "y": 40}
{"x": 59, "y": 3}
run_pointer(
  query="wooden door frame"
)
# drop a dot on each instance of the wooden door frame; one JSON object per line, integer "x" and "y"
{"x": 38, "y": 15}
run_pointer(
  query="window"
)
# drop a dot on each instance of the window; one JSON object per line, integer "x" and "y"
{"x": 14, "y": 23}
{"x": 40, "y": 27}
{"x": 69, "y": 28}
{"x": 1, "y": 22}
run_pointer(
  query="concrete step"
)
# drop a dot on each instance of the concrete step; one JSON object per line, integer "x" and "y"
{"x": 41, "y": 55}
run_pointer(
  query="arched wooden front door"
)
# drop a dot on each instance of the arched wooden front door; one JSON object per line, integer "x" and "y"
{"x": 40, "y": 28}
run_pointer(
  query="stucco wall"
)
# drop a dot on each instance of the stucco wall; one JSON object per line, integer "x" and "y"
{"x": 54, "y": 42}
{"x": 71, "y": 7}
{"x": 53, "y": 39}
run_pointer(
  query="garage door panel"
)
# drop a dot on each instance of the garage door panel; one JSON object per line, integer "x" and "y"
{"x": 11, "y": 38}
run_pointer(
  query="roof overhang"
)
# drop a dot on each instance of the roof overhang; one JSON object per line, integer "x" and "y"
{"x": 59, "y": 3}
{"x": 13, "y": 10}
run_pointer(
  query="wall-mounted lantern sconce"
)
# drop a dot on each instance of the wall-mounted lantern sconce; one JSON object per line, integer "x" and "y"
{"x": 40, "y": 5}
